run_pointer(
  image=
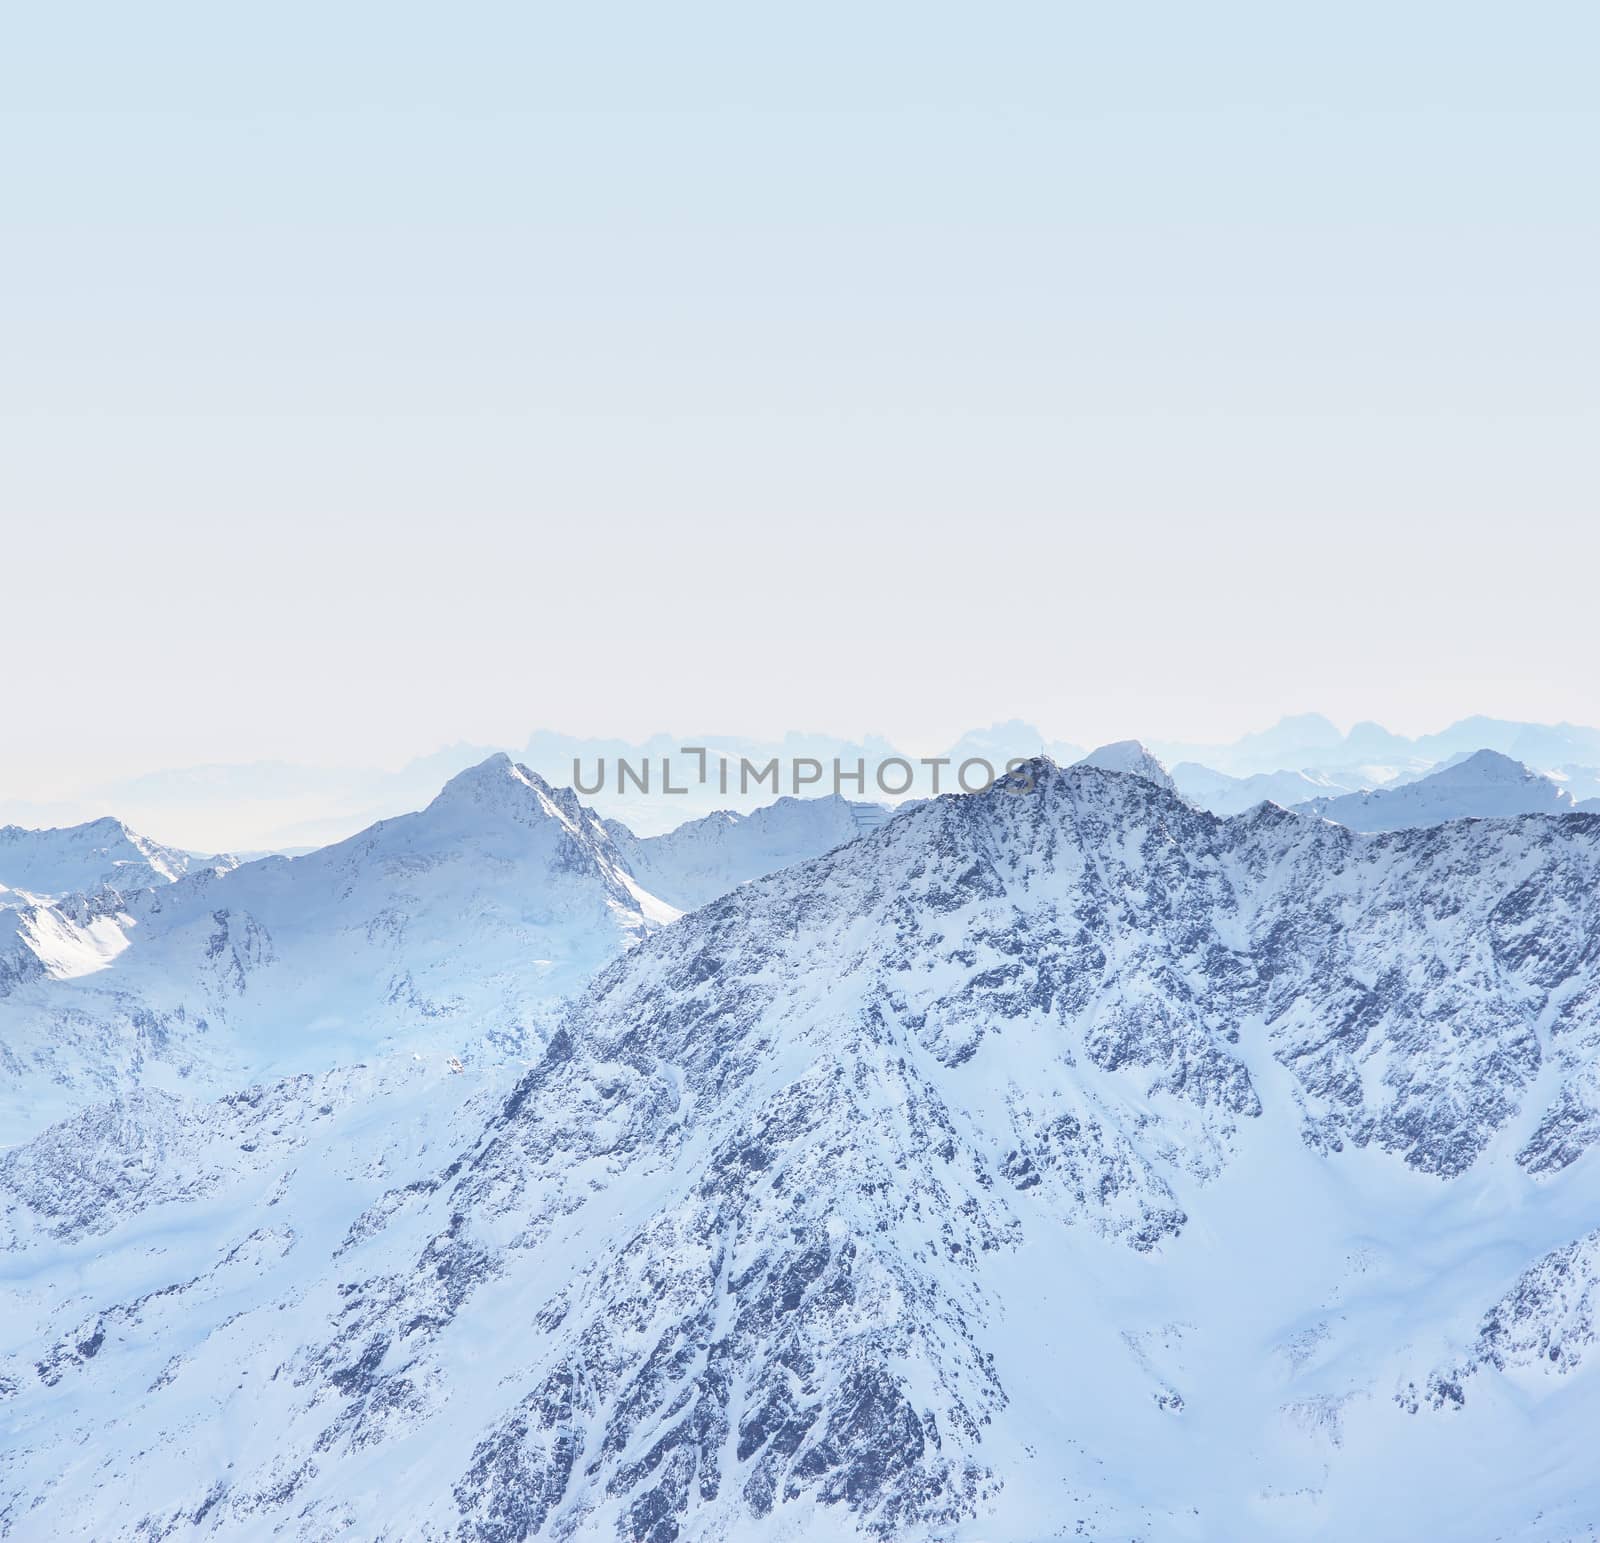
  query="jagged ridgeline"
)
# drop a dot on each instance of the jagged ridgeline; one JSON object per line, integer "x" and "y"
{"x": 1069, "y": 1163}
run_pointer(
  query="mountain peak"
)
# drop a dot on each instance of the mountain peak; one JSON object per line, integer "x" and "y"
{"x": 1313, "y": 725}
{"x": 1483, "y": 766}
{"x": 107, "y": 825}
{"x": 498, "y": 782}
{"x": 101, "y": 853}
{"x": 1482, "y": 785}
{"x": 1131, "y": 757}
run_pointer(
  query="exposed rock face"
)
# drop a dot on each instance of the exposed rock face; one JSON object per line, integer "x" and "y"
{"x": 1062, "y": 1161}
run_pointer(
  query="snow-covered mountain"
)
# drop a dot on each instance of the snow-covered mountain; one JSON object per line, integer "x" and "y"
{"x": 706, "y": 858}
{"x": 468, "y": 920}
{"x": 1483, "y": 785}
{"x": 1063, "y": 1162}
{"x": 82, "y": 859}
{"x": 1226, "y": 795}
{"x": 1128, "y": 755}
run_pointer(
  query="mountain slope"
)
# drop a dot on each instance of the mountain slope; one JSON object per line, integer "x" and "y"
{"x": 462, "y": 923}
{"x": 706, "y": 858}
{"x": 1064, "y": 1159}
{"x": 1483, "y": 785}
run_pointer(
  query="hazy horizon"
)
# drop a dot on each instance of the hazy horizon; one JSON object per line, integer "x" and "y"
{"x": 271, "y": 804}
{"x": 114, "y": 769}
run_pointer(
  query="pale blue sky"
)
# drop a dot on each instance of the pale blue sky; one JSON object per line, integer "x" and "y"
{"x": 375, "y": 376}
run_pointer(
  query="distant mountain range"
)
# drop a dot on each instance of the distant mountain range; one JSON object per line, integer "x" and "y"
{"x": 280, "y": 807}
{"x": 1310, "y": 740}
{"x": 1484, "y": 785}
{"x": 1225, "y": 795}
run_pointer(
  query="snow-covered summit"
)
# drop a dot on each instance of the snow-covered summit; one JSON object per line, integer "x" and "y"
{"x": 1130, "y": 756}
{"x": 81, "y": 859}
{"x": 1483, "y": 785}
{"x": 1485, "y": 768}
{"x": 500, "y": 786}
{"x": 465, "y": 921}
